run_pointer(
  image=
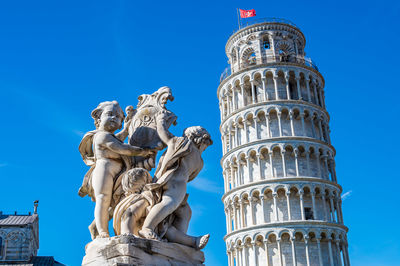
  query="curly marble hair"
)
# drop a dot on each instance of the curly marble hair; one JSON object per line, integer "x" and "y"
{"x": 198, "y": 135}
{"x": 134, "y": 180}
{"x": 96, "y": 113}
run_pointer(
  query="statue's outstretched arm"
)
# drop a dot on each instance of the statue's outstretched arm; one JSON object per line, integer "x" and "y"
{"x": 162, "y": 128}
{"x": 124, "y": 149}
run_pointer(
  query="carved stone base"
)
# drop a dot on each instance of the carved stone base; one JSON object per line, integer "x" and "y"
{"x": 130, "y": 250}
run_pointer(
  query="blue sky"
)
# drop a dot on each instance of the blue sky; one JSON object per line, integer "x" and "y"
{"x": 59, "y": 59}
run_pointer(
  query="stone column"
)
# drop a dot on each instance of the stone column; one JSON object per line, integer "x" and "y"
{"x": 308, "y": 89}
{"x": 264, "y": 79}
{"x": 332, "y": 209}
{"x": 306, "y": 238}
{"x": 326, "y": 165}
{"x": 270, "y": 153}
{"x": 298, "y": 88}
{"x": 227, "y": 220}
{"x": 229, "y": 147}
{"x": 242, "y": 254}
{"x": 249, "y": 160}
{"x": 266, "y": 251}
{"x": 224, "y": 142}
{"x": 315, "y": 92}
{"x": 235, "y": 220}
{"x": 251, "y": 205}
{"x": 339, "y": 259}
{"x": 262, "y": 199}
{"x": 288, "y": 205}
{"x": 283, "y": 151}
{"x": 238, "y": 256}
{"x": 324, "y": 206}
{"x": 254, "y": 246}
{"x": 237, "y": 134}
{"x": 278, "y": 114}
{"x": 346, "y": 254}
{"x": 319, "y": 251}
{"x": 260, "y": 171}
{"x": 256, "y": 121}
{"x": 321, "y": 136}
{"x": 318, "y": 164}
{"x": 267, "y": 123}
{"x": 287, "y": 85}
{"x": 278, "y": 241}
{"x": 303, "y": 128}
{"x": 339, "y": 204}
{"x": 296, "y": 159}
{"x": 233, "y": 176}
{"x": 291, "y": 123}
{"x": 308, "y": 163}
{"x": 274, "y": 195}
{"x": 301, "y": 193}
{"x": 314, "y": 135}
{"x": 293, "y": 241}
{"x": 330, "y": 251}
{"x": 333, "y": 170}
{"x": 243, "y": 96}
{"x": 245, "y": 130}
{"x": 276, "y": 87}
{"x": 253, "y": 92}
{"x": 242, "y": 214}
{"x": 234, "y": 99}
{"x": 313, "y": 205}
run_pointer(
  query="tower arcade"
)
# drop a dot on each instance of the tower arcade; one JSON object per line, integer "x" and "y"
{"x": 282, "y": 200}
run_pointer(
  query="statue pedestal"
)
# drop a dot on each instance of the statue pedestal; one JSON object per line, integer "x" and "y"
{"x": 130, "y": 250}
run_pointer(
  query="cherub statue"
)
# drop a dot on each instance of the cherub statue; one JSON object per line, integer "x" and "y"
{"x": 108, "y": 157}
{"x": 179, "y": 165}
{"x": 131, "y": 211}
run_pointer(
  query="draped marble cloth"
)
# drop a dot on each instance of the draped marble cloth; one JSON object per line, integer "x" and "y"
{"x": 88, "y": 155}
{"x": 128, "y": 201}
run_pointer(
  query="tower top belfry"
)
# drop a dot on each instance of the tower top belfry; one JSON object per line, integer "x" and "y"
{"x": 282, "y": 200}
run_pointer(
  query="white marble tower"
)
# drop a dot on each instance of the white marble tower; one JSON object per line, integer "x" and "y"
{"x": 282, "y": 200}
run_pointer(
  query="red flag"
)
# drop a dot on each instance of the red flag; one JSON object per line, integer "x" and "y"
{"x": 247, "y": 13}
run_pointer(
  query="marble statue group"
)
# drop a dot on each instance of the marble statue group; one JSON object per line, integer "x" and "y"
{"x": 119, "y": 179}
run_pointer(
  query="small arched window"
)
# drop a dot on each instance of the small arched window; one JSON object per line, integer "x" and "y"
{"x": 252, "y": 58}
{"x": 266, "y": 44}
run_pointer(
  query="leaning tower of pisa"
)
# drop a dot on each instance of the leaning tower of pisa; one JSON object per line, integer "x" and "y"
{"x": 282, "y": 200}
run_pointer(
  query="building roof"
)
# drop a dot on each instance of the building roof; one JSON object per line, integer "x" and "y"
{"x": 17, "y": 219}
{"x": 36, "y": 261}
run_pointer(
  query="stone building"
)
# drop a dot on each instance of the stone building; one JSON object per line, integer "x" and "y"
{"x": 19, "y": 240}
{"x": 282, "y": 200}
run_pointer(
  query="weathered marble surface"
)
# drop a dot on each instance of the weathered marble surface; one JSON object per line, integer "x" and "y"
{"x": 153, "y": 207}
{"x": 131, "y": 250}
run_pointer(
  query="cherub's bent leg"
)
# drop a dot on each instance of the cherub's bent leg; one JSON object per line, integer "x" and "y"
{"x": 182, "y": 217}
{"x": 131, "y": 217}
{"x": 170, "y": 201}
{"x": 102, "y": 186}
{"x": 176, "y": 236}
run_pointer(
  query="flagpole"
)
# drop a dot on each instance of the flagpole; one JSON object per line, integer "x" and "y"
{"x": 237, "y": 9}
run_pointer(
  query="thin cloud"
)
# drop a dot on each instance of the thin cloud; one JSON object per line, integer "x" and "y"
{"x": 347, "y": 194}
{"x": 204, "y": 184}
{"x": 79, "y": 133}
{"x": 3, "y": 164}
